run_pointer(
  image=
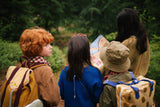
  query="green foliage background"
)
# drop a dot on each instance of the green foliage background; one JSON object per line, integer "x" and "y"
{"x": 57, "y": 59}
{"x": 93, "y": 17}
{"x": 11, "y": 52}
{"x": 154, "y": 70}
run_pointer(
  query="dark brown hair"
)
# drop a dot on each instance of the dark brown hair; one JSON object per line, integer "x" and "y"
{"x": 129, "y": 24}
{"x": 78, "y": 53}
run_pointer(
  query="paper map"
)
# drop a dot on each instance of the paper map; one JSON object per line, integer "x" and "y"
{"x": 99, "y": 42}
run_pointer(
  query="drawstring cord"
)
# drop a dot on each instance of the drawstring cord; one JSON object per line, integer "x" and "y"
{"x": 74, "y": 79}
{"x": 74, "y": 83}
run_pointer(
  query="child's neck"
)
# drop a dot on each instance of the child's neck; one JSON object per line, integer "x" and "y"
{"x": 85, "y": 65}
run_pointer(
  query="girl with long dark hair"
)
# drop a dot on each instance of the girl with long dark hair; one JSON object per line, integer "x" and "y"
{"x": 80, "y": 83}
{"x": 132, "y": 33}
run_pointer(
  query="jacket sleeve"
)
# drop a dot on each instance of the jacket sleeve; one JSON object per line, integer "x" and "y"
{"x": 47, "y": 85}
{"x": 97, "y": 87}
{"x": 107, "y": 98}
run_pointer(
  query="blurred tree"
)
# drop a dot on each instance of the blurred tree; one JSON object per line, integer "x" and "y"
{"x": 71, "y": 12}
{"x": 149, "y": 14}
{"x": 14, "y": 18}
{"x": 48, "y": 13}
{"x": 93, "y": 17}
{"x": 100, "y": 16}
{"x": 152, "y": 16}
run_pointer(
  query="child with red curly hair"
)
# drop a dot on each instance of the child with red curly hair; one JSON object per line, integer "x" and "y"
{"x": 35, "y": 45}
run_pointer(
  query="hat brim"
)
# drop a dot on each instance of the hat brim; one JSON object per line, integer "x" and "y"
{"x": 114, "y": 67}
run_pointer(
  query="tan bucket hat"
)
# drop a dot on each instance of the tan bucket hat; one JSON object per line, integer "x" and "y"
{"x": 115, "y": 57}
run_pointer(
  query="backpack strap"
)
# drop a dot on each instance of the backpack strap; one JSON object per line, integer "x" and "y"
{"x": 19, "y": 90}
{"x": 7, "y": 83}
{"x": 133, "y": 77}
{"x": 139, "y": 64}
{"x": 114, "y": 84}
